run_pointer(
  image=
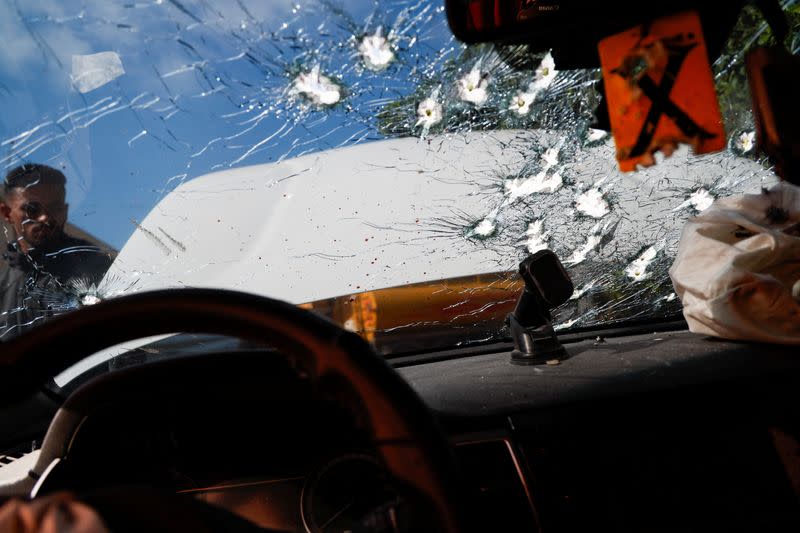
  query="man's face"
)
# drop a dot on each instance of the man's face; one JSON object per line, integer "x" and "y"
{"x": 37, "y": 213}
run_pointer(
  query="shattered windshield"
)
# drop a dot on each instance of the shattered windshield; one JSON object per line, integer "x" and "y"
{"x": 348, "y": 156}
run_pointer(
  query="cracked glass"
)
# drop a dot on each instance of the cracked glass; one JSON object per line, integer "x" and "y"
{"x": 349, "y": 157}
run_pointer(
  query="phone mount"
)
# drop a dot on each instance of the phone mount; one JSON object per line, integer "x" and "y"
{"x": 547, "y": 285}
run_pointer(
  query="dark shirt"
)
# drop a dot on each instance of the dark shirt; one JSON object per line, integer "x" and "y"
{"x": 46, "y": 281}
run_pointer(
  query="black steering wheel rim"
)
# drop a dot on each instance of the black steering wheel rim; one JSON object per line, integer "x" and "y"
{"x": 412, "y": 445}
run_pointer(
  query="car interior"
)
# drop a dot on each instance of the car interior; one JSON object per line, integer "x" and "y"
{"x": 248, "y": 413}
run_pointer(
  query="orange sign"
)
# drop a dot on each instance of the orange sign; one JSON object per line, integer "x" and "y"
{"x": 660, "y": 90}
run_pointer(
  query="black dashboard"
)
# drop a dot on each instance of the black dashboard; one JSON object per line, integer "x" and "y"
{"x": 666, "y": 431}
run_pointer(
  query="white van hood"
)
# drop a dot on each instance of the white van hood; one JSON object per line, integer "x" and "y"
{"x": 325, "y": 224}
{"x": 405, "y": 210}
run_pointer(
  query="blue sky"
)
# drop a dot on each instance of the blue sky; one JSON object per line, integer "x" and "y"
{"x": 206, "y": 88}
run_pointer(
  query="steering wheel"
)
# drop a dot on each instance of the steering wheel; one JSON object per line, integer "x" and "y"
{"x": 406, "y": 435}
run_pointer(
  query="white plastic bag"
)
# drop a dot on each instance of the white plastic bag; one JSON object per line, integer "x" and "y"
{"x": 737, "y": 267}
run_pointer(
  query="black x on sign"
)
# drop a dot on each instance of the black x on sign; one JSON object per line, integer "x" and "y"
{"x": 660, "y": 90}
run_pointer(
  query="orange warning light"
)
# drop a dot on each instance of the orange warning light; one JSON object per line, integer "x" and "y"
{"x": 660, "y": 90}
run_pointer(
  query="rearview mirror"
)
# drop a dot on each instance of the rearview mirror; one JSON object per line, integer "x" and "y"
{"x": 572, "y": 28}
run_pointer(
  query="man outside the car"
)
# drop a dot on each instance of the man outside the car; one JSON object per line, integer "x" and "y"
{"x": 41, "y": 266}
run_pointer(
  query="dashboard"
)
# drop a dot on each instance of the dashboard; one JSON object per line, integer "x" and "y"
{"x": 663, "y": 431}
